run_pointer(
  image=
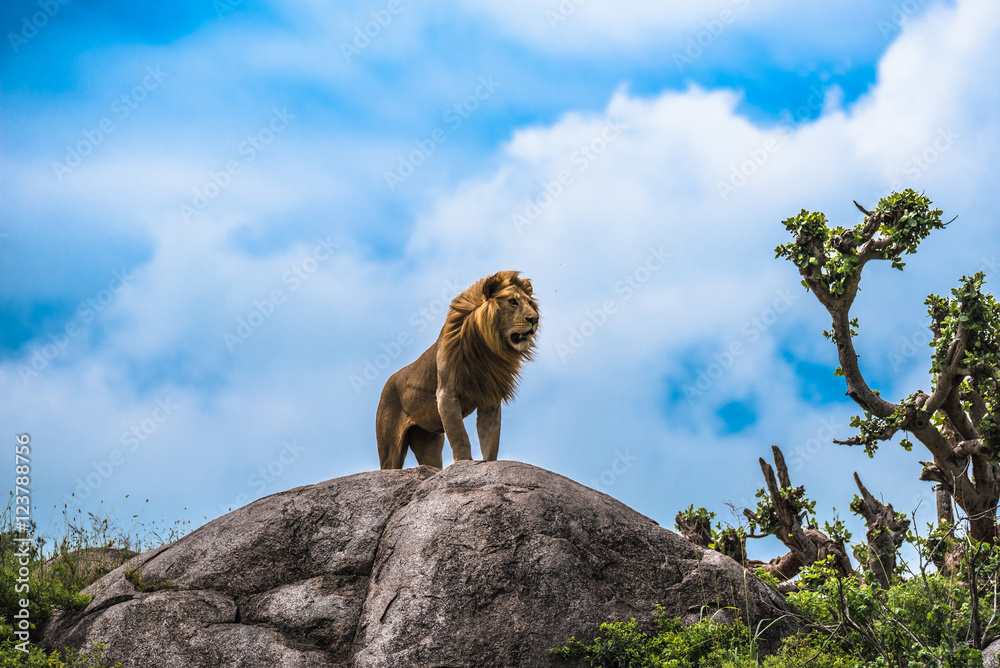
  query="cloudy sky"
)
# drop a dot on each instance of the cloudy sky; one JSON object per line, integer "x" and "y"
{"x": 224, "y": 224}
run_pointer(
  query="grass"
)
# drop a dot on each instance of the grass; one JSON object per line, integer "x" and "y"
{"x": 85, "y": 548}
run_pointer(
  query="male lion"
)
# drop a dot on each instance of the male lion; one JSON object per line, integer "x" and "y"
{"x": 473, "y": 366}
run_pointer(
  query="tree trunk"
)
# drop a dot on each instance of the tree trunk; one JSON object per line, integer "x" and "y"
{"x": 806, "y": 546}
{"x": 696, "y": 530}
{"x": 886, "y": 531}
{"x": 965, "y": 329}
{"x": 943, "y": 500}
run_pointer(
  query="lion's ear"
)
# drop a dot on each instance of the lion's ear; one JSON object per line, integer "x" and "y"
{"x": 491, "y": 285}
{"x": 527, "y": 288}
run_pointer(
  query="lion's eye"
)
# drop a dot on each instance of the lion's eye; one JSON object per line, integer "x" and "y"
{"x": 512, "y": 302}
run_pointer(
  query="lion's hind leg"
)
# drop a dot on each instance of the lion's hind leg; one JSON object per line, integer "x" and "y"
{"x": 391, "y": 448}
{"x": 390, "y": 429}
{"x": 427, "y": 446}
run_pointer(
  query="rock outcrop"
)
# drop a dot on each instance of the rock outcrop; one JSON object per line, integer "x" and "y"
{"x": 481, "y": 564}
{"x": 991, "y": 655}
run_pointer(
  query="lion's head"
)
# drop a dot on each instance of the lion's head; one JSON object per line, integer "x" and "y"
{"x": 489, "y": 332}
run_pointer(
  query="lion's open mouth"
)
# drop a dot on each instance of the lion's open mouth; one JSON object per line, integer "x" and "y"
{"x": 517, "y": 338}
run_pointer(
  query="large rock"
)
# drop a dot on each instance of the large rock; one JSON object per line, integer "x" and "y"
{"x": 990, "y": 655}
{"x": 481, "y": 564}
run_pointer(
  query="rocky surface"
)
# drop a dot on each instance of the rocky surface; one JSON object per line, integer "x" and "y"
{"x": 481, "y": 564}
{"x": 990, "y": 655}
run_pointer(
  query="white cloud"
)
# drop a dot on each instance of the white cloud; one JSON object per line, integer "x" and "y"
{"x": 657, "y": 182}
{"x": 641, "y": 175}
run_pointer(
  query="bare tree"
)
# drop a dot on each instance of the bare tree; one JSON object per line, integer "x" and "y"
{"x": 957, "y": 422}
{"x": 781, "y": 512}
{"x": 784, "y": 511}
{"x": 886, "y": 532}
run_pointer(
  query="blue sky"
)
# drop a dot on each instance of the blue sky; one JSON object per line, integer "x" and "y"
{"x": 225, "y": 224}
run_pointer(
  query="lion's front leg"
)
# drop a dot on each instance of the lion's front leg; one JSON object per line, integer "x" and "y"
{"x": 488, "y": 426}
{"x": 450, "y": 410}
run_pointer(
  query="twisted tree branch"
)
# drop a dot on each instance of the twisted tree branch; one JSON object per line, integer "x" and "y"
{"x": 886, "y": 531}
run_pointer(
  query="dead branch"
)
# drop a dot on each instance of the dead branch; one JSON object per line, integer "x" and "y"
{"x": 886, "y": 532}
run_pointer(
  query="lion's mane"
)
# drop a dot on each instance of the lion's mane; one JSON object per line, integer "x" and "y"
{"x": 472, "y": 339}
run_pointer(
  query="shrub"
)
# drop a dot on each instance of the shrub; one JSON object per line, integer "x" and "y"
{"x": 35, "y": 657}
{"x": 90, "y": 546}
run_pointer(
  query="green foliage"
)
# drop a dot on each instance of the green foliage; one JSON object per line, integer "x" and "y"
{"x": 978, "y": 314}
{"x": 857, "y": 504}
{"x": 138, "y": 580}
{"x": 925, "y": 620}
{"x": 767, "y": 517}
{"x": 35, "y": 657}
{"x": 622, "y": 645}
{"x": 830, "y": 256}
{"x": 872, "y": 430}
{"x": 765, "y": 576}
{"x": 920, "y": 621}
{"x": 830, "y": 260}
{"x": 973, "y": 310}
{"x": 57, "y": 570}
{"x": 810, "y": 650}
{"x": 730, "y": 541}
{"x": 938, "y": 542}
{"x": 44, "y": 594}
{"x": 837, "y": 530}
{"x": 907, "y": 220}
{"x": 930, "y": 618}
{"x": 703, "y": 644}
{"x": 697, "y": 514}
{"x": 813, "y": 236}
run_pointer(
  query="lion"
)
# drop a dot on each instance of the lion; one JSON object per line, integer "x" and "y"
{"x": 474, "y": 365}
